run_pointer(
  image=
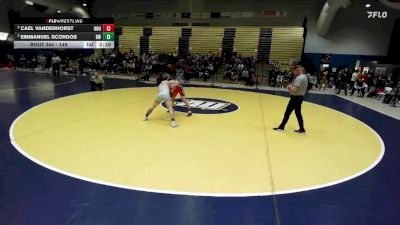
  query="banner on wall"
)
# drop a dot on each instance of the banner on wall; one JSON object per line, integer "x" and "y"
{"x": 326, "y": 58}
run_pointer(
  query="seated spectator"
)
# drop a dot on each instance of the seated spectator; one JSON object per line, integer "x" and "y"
{"x": 392, "y": 95}
{"x": 227, "y": 73}
{"x": 234, "y": 75}
{"x": 97, "y": 82}
{"x": 187, "y": 72}
{"x": 375, "y": 92}
{"x": 206, "y": 76}
{"x": 323, "y": 79}
{"x": 272, "y": 78}
{"x": 279, "y": 80}
{"x": 246, "y": 76}
{"x": 286, "y": 79}
{"x": 342, "y": 82}
{"x": 180, "y": 73}
{"x": 240, "y": 67}
{"x": 210, "y": 69}
{"x": 360, "y": 87}
{"x": 131, "y": 67}
{"x": 313, "y": 81}
{"x": 7, "y": 67}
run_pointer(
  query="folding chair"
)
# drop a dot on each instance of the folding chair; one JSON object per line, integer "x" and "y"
{"x": 381, "y": 96}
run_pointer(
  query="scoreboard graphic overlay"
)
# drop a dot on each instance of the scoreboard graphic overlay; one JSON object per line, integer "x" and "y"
{"x": 74, "y": 33}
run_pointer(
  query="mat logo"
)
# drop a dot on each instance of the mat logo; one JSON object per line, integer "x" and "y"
{"x": 205, "y": 106}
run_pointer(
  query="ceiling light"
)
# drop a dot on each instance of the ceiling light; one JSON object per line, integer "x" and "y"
{"x": 29, "y": 2}
{"x": 368, "y": 5}
{"x": 58, "y": 11}
{"x": 3, "y": 36}
{"x": 84, "y": 4}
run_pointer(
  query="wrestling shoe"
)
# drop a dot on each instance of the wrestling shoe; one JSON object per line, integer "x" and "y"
{"x": 299, "y": 131}
{"x": 278, "y": 129}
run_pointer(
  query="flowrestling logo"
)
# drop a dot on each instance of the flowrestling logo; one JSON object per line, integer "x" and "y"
{"x": 205, "y": 106}
{"x": 377, "y": 14}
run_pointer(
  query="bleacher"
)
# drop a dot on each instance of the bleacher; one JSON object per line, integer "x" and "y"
{"x": 246, "y": 40}
{"x": 165, "y": 39}
{"x": 206, "y": 39}
{"x": 286, "y": 42}
{"x": 130, "y": 39}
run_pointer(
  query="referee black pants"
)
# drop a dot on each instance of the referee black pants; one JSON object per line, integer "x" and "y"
{"x": 294, "y": 104}
{"x": 56, "y": 70}
{"x": 94, "y": 86}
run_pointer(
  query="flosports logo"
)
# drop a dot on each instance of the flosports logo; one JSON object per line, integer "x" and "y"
{"x": 377, "y": 14}
{"x": 205, "y": 106}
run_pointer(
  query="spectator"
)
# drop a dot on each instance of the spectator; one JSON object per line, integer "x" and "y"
{"x": 342, "y": 82}
{"x": 56, "y": 62}
{"x": 97, "y": 82}
{"x": 297, "y": 90}
{"x": 324, "y": 80}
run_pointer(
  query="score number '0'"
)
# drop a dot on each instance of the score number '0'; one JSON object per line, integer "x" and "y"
{"x": 108, "y": 27}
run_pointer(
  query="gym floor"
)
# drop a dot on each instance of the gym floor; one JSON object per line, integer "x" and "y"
{"x": 69, "y": 156}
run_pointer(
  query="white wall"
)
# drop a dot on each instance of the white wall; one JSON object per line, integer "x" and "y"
{"x": 297, "y": 10}
{"x": 140, "y": 6}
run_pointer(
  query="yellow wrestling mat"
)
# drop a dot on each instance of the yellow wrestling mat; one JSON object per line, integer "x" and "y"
{"x": 101, "y": 137}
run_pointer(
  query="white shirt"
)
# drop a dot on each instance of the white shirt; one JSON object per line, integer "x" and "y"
{"x": 354, "y": 76}
{"x": 97, "y": 80}
{"x": 55, "y": 59}
{"x": 163, "y": 87}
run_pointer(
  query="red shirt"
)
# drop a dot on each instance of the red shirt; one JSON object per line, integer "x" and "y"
{"x": 366, "y": 78}
{"x": 176, "y": 91}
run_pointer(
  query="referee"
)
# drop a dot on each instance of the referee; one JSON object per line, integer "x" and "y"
{"x": 297, "y": 89}
{"x": 55, "y": 62}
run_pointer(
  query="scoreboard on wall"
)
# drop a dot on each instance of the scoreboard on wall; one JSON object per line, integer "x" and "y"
{"x": 63, "y": 33}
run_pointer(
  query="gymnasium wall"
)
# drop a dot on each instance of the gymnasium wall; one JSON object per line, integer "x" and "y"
{"x": 351, "y": 32}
